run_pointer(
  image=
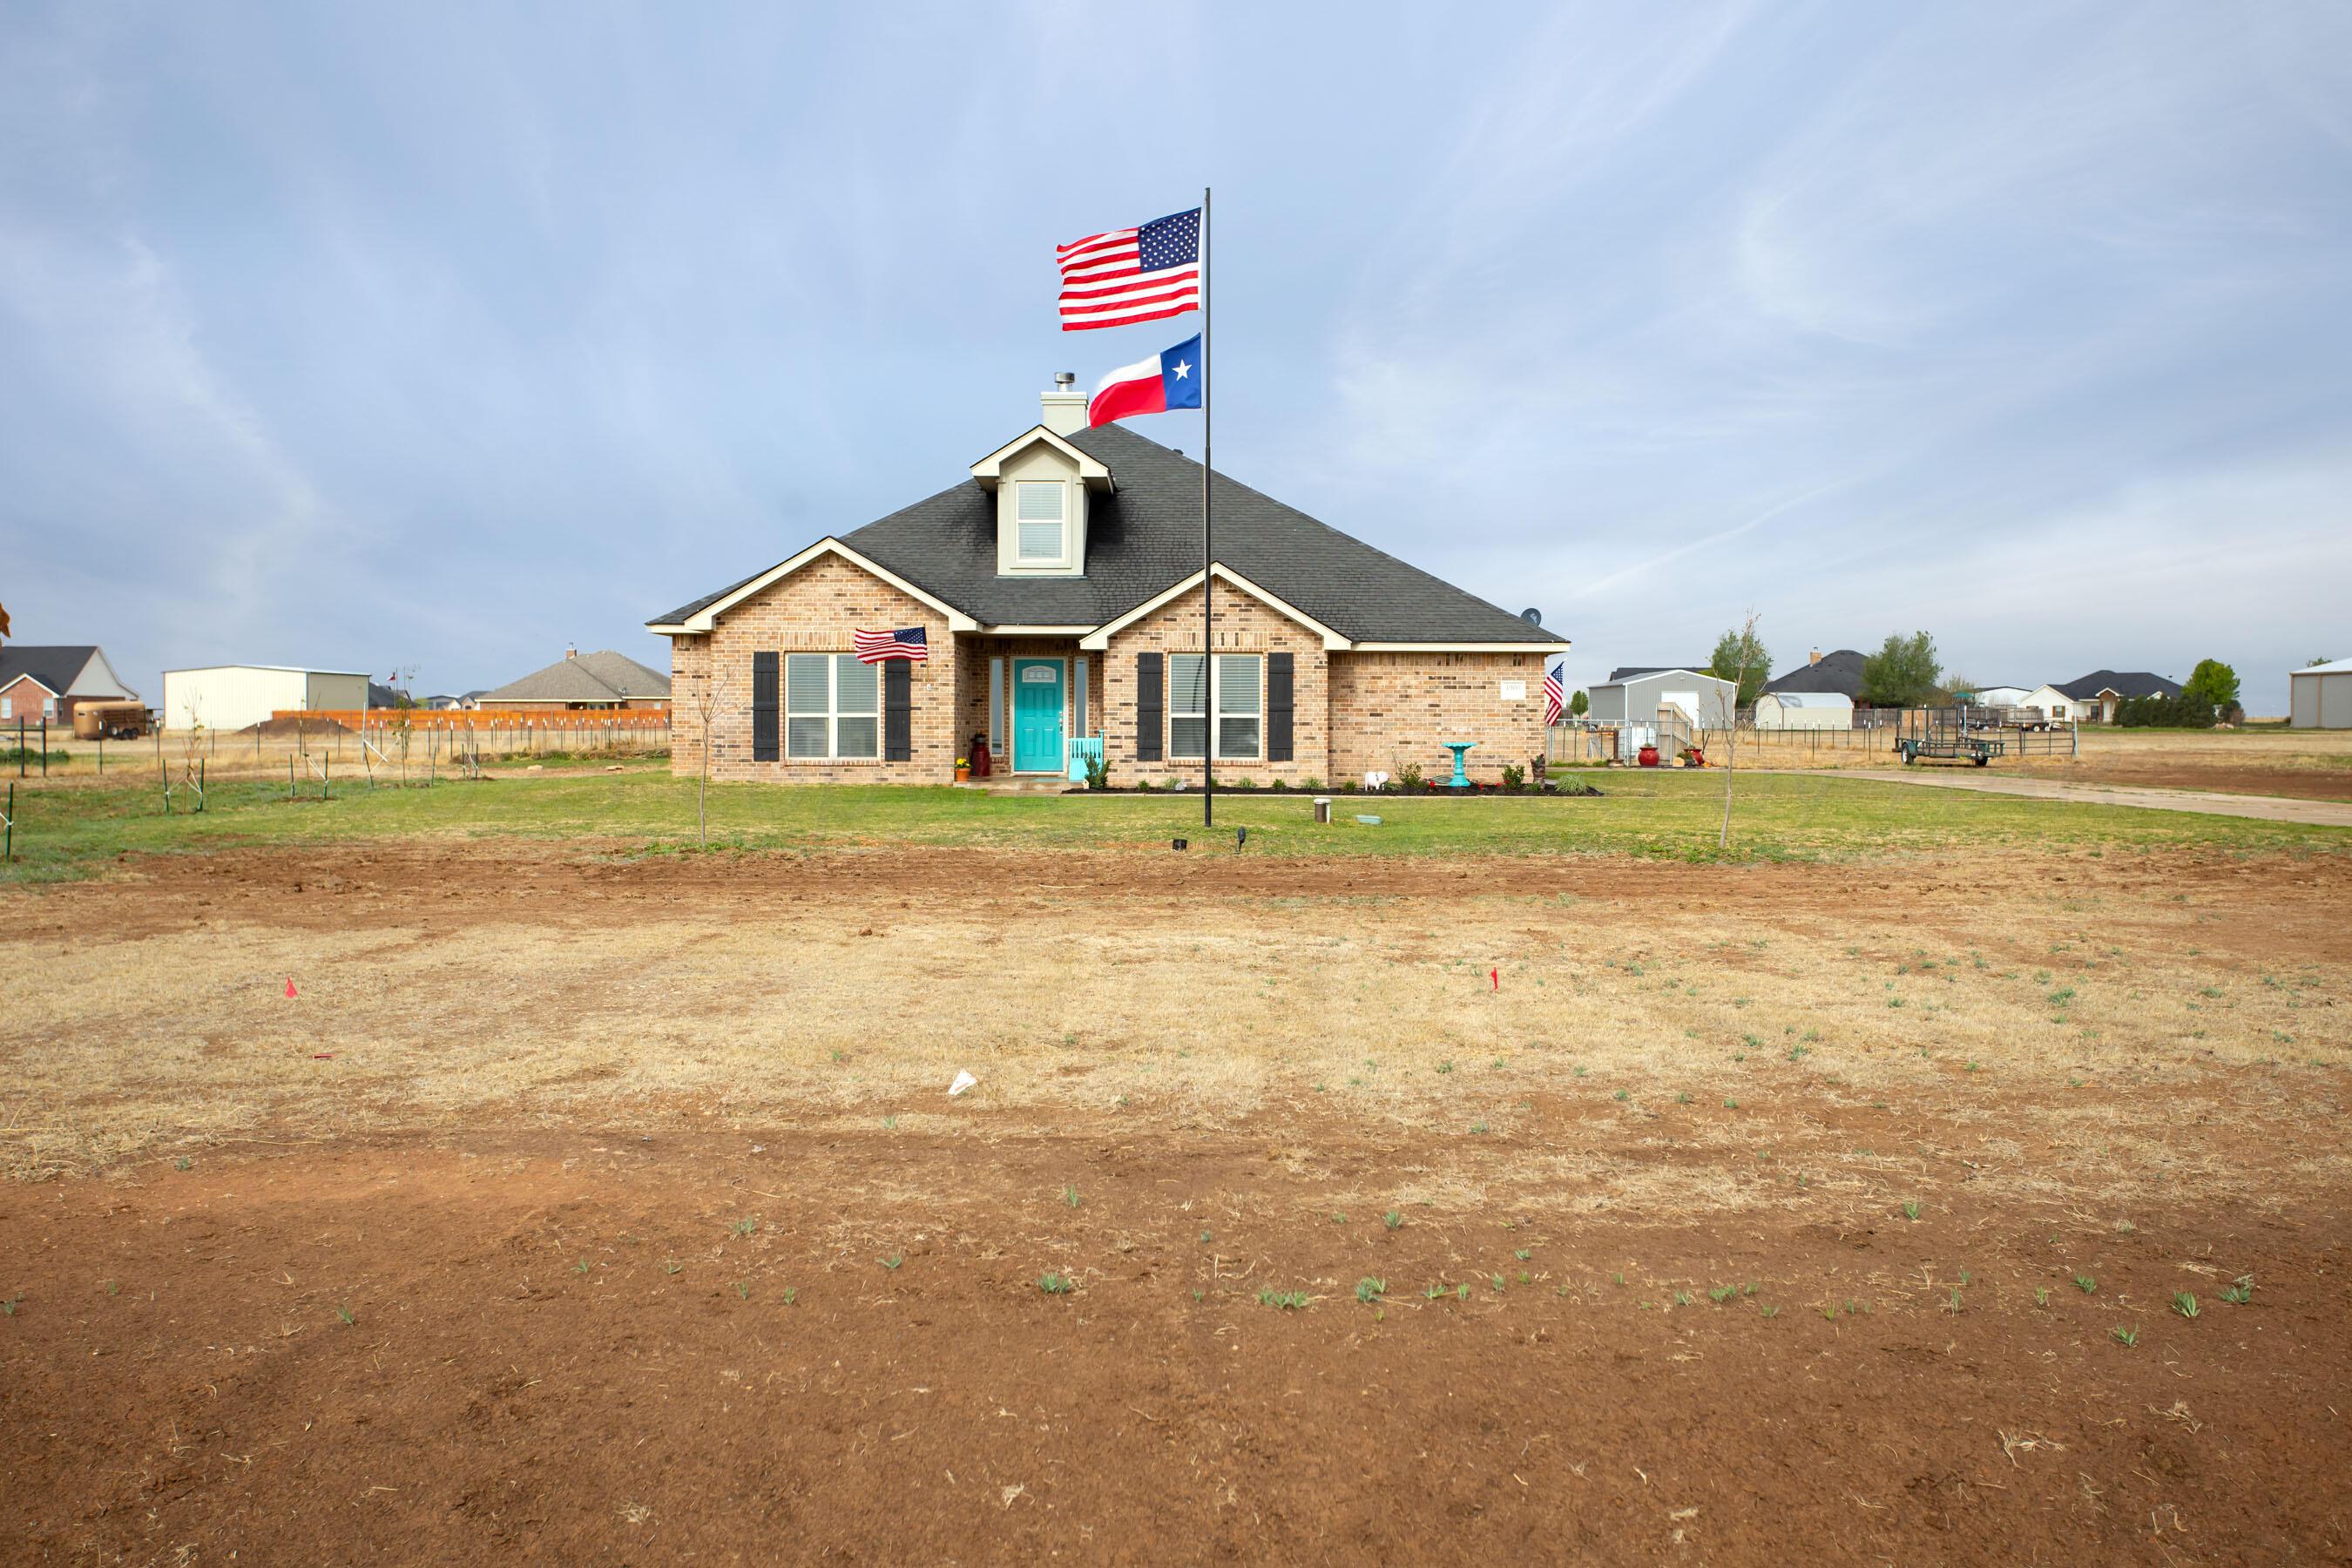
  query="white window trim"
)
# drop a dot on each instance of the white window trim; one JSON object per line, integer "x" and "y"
{"x": 706, "y": 618}
{"x": 996, "y": 705}
{"x": 1060, "y": 559}
{"x": 1099, "y": 638}
{"x": 833, "y": 714}
{"x": 1216, "y": 713}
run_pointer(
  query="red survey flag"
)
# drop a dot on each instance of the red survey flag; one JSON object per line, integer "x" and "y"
{"x": 289, "y": 987}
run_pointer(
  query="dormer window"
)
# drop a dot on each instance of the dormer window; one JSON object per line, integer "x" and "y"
{"x": 1041, "y": 485}
{"x": 1042, "y": 519}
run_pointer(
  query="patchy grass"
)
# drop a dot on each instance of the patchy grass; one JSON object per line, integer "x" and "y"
{"x": 70, "y": 830}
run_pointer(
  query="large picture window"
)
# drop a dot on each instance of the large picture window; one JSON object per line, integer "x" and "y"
{"x": 833, "y": 707}
{"x": 1238, "y": 695}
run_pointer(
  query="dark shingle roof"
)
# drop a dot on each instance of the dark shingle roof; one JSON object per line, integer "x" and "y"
{"x": 2122, "y": 682}
{"x": 56, "y": 666}
{"x": 1839, "y": 672}
{"x": 1145, "y": 537}
{"x": 604, "y": 676}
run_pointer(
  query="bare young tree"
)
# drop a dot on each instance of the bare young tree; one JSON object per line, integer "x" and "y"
{"x": 1731, "y": 730}
{"x": 706, "y": 704}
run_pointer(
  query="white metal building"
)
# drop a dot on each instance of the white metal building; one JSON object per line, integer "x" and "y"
{"x": 1804, "y": 711}
{"x": 236, "y": 695}
{"x": 2320, "y": 698}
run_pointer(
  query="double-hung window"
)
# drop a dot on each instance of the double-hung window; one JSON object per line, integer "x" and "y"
{"x": 1041, "y": 516}
{"x": 1238, "y": 696}
{"x": 833, "y": 707}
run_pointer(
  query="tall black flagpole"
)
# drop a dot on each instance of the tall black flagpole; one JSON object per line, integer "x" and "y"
{"x": 1208, "y": 629}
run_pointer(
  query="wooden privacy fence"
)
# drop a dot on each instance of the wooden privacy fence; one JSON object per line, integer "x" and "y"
{"x": 482, "y": 718}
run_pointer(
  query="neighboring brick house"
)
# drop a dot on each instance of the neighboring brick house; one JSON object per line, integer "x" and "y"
{"x": 49, "y": 681}
{"x": 604, "y": 680}
{"x": 1058, "y": 587}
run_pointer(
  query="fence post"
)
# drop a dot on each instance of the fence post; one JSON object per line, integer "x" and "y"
{"x": 20, "y": 748}
{"x": 44, "y": 745}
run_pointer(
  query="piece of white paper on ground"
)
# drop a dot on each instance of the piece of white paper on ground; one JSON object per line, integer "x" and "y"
{"x": 963, "y": 1080}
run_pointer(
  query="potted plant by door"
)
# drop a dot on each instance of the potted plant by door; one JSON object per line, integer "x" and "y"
{"x": 964, "y": 769}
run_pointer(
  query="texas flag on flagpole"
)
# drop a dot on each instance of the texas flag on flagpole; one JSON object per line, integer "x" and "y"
{"x": 1168, "y": 379}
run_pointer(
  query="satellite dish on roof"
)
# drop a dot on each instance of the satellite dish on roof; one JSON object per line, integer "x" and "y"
{"x": 1533, "y": 617}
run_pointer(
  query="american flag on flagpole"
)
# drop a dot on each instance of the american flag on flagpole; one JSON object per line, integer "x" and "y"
{"x": 873, "y": 647}
{"x": 1555, "y": 696}
{"x": 1131, "y": 275}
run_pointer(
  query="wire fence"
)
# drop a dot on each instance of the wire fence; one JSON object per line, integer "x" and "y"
{"x": 376, "y": 749}
{"x": 1871, "y": 738}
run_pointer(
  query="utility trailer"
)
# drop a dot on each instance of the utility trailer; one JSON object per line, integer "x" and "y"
{"x": 1948, "y": 735}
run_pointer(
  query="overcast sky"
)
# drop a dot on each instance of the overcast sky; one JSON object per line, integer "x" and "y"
{"x": 442, "y": 334}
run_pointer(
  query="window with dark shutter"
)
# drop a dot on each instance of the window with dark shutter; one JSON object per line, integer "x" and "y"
{"x": 897, "y": 711}
{"x": 763, "y": 707}
{"x": 1277, "y": 707}
{"x": 1147, "y": 707}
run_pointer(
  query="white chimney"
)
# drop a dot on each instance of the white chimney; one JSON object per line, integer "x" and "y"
{"x": 1066, "y": 405}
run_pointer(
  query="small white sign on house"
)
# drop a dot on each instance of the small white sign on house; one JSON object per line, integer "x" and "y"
{"x": 1514, "y": 691}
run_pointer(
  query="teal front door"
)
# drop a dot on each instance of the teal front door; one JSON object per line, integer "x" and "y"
{"x": 1036, "y": 715}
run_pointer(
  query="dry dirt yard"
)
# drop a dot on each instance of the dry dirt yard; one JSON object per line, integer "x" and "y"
{"x": 1536, "y": 1208}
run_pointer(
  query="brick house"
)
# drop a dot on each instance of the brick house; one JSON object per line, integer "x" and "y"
{"x": 1058, "y": 586}
{"x": 49, "y": 682}
{"x": 603, "y": 681}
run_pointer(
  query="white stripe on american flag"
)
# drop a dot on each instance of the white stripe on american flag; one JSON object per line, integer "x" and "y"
{"x": 1130, "y": 283}
{"x": 873, "y": 647}
{"x": 1095, "y": 241}
{"x": 1157, "y": 294}
{"x": 1152, "y": 295}
{"x": 1098, "y": 254}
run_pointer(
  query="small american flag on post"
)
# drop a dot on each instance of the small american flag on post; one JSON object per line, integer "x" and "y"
{"x": 1555, "y": 696}
{"x": 1128, "y": 275}
{"x": 907, "y": 642}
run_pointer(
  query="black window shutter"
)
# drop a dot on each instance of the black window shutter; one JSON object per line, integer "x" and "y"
{"x": 1277, "y": 707}
{"x": 763, "y": 707}
{"x": 897, "y": 715}
{"x": 1148, "y": 708}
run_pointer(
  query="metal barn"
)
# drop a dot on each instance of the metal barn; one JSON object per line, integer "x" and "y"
{"x": 2320, "y": 698}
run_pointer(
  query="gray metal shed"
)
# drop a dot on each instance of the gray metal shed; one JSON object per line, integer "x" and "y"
{"x": 2320, "y": 698}
{"x": 1705, "y": 700}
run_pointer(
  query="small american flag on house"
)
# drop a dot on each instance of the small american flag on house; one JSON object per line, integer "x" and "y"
{"x": 907, "y": 642}
{"x": 1129, "y": 275}
{"x": 1555, "y": 696}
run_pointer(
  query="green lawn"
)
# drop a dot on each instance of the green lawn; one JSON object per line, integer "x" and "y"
{"x": 66, "y": 832}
